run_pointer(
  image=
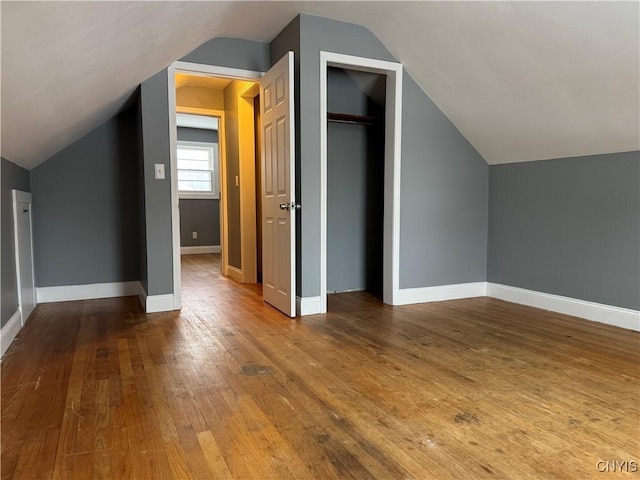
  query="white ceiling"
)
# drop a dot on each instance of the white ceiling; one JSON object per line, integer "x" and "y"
{"x": 521, "y": 80}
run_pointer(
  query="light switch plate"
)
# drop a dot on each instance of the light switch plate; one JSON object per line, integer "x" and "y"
{"x": 159, "y": 171}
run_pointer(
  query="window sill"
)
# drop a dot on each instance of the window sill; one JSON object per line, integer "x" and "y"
{"x": 198, "y": 196}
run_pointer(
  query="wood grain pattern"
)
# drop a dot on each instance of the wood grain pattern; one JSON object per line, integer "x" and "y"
{"x": 229, "y": 388}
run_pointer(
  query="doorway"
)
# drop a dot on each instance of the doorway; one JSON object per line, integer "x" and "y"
{"x": 198, "y": 159}
{"x": 355, "y": 180}
{"x": 392, "y": 155}
{"x": 228, "y": 97}
{"x": 22, "y": 227}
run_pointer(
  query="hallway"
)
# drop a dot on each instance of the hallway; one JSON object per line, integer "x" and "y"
{"x": 203, "y": 284}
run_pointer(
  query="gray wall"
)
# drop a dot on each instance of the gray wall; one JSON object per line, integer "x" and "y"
{"x": 443, "y": 218}
{"x": 197, "y": 135}
{"x": 568, "y": 227}
{"x": 355, "y": 189}
{"x": 232, "y": 53}
{"x": 86, "y": 213}
{"x": 142, "y": 214}
{"x": 13, "y": 177}
{"x": 199, "y": 215}
{"x": 224, "y": 52}
{"x": 443, "y": 237}
{"x": 156, "y": 148}
{"x": 202, "y": 216}
{"x": 344, "y": 96}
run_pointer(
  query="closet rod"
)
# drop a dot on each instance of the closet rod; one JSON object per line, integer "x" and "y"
{"x": 348, "y": 118}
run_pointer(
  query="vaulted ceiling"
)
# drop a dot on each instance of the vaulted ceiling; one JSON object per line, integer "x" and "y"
{"x": 522, "y": 81}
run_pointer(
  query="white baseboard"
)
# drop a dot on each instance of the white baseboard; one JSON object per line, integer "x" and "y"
{"x": 66, "y": 293}
{"x": 308, "y": 305}
{"x": 349, "y": 290}
{"x": 598, "y": 312}
{"x": 9, "y": 331}
{"x": 234, "y": 273}
{"x": 441, "y": 292}
{"x": 159, "y": 303}
{"x": 142, "y": 297}
{"x": 150, "y": 303}
{"x": 199, "y": 249}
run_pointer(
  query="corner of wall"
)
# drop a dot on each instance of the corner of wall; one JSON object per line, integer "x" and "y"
{"x": 9, "y": 331}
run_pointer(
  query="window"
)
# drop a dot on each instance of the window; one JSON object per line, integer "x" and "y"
{"x": 198, "y": 170}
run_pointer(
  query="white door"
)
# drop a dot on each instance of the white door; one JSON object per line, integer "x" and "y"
{"x": 24, "y": 253}
{"x": 278, "y": 186}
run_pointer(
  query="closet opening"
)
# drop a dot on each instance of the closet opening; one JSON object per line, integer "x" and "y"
{"x": 356, "y": 103}
{"x": 371, "y": 77}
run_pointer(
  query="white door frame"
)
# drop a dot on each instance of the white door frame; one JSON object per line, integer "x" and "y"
{"x": 222, "y": 174}
{"x": 19, "y": 196}
{"x": 247, "y": 162}
{"x": 194, "y": 69}
{"x": 392, "y": 156}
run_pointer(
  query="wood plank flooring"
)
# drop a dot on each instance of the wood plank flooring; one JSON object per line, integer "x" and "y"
{"x": 229, "y": 388}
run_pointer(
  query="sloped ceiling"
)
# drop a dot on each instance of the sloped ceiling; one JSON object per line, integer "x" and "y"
{"x": 521, "y": 80}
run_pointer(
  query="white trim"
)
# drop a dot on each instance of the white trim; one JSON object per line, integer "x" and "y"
{"x": 293, "y": 286}
{"x": 198, "y": 249}
{"x": 222, "y": 206}
{"x": 222, "y": 187}
{"x": 150, "y": 304}
{"x": 440, "y": 293}
{"x": 393, "y": 141}
{"x": 175, "y": 198}
{"x": 247, "y": 173}
{"x": 202, "y": 122}
{"x": 21, "y": 197}
{"x": 203, "y": 112}
{"x": 198, "y": 196}
{"x": 348, "y": 290}
{"x": 234, "y": 273}
{"x": 160, "y": 303}
{"x": 597, "y": 312}
{"x": 142, "y": 297}
{"x": 9, "y": 331}
{"x": 65, "y": 293}
{"x": 18, "y": 196}
{"x": 308, "y": 306}
{"x": 197, "y": 69}
{"x": 216, "y": 71}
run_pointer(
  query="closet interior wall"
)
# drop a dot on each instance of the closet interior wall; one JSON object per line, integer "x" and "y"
{"x": 355, "y": 181}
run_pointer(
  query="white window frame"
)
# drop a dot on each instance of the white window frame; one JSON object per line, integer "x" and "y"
{"x": 215, "y": 169}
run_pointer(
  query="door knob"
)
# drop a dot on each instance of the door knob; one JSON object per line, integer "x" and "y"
{"x": 290, "y": 206}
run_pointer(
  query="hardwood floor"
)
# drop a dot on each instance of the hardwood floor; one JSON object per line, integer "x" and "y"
{"x": 229, "y": 388}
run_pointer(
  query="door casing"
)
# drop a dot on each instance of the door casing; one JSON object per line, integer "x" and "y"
{"x": 392, "y": 155}
{"x": 19, "y": 197}
{"x": 203, "y": 70}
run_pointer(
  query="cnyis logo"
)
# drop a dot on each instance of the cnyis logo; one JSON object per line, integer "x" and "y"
{"x": 628, "y": 466}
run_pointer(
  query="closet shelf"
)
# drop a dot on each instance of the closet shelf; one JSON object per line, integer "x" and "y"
{"x": 348, "y": 118}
